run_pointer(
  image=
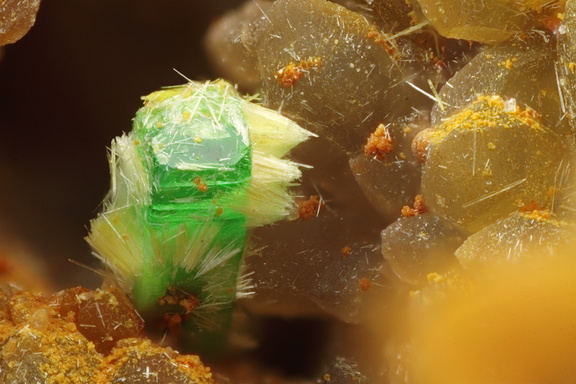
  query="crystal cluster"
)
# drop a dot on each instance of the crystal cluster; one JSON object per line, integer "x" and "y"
{"x": 446, "y": 126}
{"x": 80, "y": 336}
{"x": 478, "y": 135}
{"x": 433, "y": 226}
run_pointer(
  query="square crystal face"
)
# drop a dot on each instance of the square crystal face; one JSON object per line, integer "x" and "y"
{"x": 189, "y": 166}
{"x": 196, "y": 143}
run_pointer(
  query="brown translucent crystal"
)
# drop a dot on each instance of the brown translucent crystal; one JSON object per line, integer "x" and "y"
{"x": 333, "y": 71}
{"x": 106, "y": 316}
{"x": 102, "y": 316}
{"x": 567, "y": 62}
{"x": 387, "y": 171}
{"x": 488, "y": 21}
{"x": 389, "y": 184}
{"x": 225, "y": 47}
{"x": 339, "y": 218}
{"x": 489, "y": 160}
{"x": 392, "y": 16}
{"x": 69, "y": 300}
{"x": 336, "y": 273}
{"x": 415, "y": 246}
{"x": 522, "y": 68}
{"x": 40, "y": 342}
{"x": 16, "y": 19}
{"x": 520, "y": 235}
{"x": 43, "y": 348}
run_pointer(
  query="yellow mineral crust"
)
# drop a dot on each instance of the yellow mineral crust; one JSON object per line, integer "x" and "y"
{"x": 130, "y": 351}
{"x": 61, "y": 354}
{"x": 487, "y": 111}
{"x": 544, "y": 216}
{"x": 41, "y": 342}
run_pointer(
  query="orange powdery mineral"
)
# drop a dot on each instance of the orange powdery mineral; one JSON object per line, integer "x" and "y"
{"x": 379, "y": 143}
{"x": 419, "y": 207}
{"x": 383, "y": 40}
{"x": 291, "y": 73}
{"x": 310, "y": 208}
{"x": 364, "y": 284}
{"x": 140, "y": 361}
{"x": 544, "y": 215}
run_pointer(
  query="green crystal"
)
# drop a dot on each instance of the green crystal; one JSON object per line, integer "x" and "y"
{"x": 201, "y": 166}
{"x": 196, "y": 144}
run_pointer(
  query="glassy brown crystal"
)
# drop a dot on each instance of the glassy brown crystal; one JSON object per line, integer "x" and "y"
{"x": 488, "y": 160}
{"x": 106, "y": 316}
{"x": 389, "y": 184}
{"x": 522, "y": 68}
{"x": 332, "y": 71}
{"x": 489, "y": 21}
{"x": 520, "y": 235}
{"x": 389, "y": 179}
{"x": 225, "y": 47}
{"x": 16, "y": 19}
{"x": 415, "y": 246}
{"x": 103, "y": 316}
{"x": 310, "y": 267}
{"x": 566, "y": 65}
{"x": 392, "y": 16}
{"x": 138, "y": 361}
{"x": 334, "y": 237}
{"x": 39, "y": 347}
{"x": 40, "y": 342}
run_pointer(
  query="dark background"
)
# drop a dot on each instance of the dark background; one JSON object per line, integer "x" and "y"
{"x": 67, "y": 89}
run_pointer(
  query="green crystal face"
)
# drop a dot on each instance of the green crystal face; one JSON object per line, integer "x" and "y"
{"x": 196, "y": 142}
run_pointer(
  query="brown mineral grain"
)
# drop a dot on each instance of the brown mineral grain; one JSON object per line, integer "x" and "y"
{"x": 80, "y": 336}
{"x": 488, "y": 160}
{"x": 16, "y": 19}
{"x": 489, "y": 21}
{"x": 138, "y": 361}
{"x": 106, "y": 316}
{"x": 361, "y": 82}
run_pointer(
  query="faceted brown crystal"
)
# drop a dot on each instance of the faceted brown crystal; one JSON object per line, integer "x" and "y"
{"x": 421, "y": 244}
{"x": 332, "y": 71}
{"x": 488, "y": 21}
{"x": 522, "y": 68}
{"x": 489, "y": 160}
{"x": 533, "y": 234}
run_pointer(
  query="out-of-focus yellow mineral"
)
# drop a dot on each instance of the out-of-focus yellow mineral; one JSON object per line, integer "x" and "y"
{"x": 516, "y": 323}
